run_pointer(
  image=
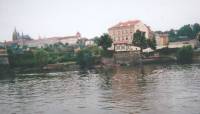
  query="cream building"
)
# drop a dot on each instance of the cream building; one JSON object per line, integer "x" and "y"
{"x": 89, "y": 42}
{"x": 122, "y": 34}
{"x": 42, "y": 42}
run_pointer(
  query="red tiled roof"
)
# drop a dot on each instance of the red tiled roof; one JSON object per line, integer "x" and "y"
{"x": 127, "y": 23}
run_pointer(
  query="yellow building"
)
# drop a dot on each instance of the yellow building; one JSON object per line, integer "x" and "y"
{"x": 162, "y": 40}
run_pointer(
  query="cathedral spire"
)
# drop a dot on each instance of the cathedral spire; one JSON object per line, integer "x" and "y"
{"x": 15, "y": 34}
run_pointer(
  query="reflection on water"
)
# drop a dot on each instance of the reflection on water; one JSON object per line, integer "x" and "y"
{"x": 158, "y": 89}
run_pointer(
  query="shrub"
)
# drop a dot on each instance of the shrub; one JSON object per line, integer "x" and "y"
{"x": 41, "y": 56}
{"x": 107, "y": 54}
{"x": 184, "y": 55}
{"x": 85, "y": 58}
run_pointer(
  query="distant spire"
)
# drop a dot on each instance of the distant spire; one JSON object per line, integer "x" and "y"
{"x": 15, "y": 34}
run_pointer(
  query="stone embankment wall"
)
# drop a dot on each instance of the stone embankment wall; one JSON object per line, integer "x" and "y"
{"x": 131, "y": 57}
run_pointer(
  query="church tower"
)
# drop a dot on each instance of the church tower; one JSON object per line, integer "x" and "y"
{"x": 15, "y": 35}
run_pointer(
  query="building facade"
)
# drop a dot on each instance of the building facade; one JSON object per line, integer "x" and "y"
{"x": 162, "y": 40}
{"x": 42, "y": 42}
{"x": 122, "y": 34}
{"x": 21, "y": 40}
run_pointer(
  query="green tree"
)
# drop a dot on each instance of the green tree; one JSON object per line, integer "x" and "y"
{"x": 196, "y": 29}
{"x": 139, "y": 40}
{"x": 96, "y": 51}
{"x": 184, "y": 55}
{"x": 172, "y": 35}
{"x": 105, "y": 41}
{"x": 41, "y": 56}
{"x": 96, "y": 40}
{"x": 85, "y": 58}
{"x": 186, "y": 30}
{"x": 152, "y": 43}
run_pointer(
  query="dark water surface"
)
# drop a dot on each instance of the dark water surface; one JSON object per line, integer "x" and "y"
{"x": 159, "y": 89}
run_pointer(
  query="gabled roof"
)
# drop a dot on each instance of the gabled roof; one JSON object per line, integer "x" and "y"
{"x": 126, "y": 23}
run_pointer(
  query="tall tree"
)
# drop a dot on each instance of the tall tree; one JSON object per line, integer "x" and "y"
{"x": 196, "y": 29}
{"x": 105, "y": 41}
{"x": 172, "y": 35}
{"x": 85, "y": 58}
{"x": 152, "y": 43}
{"x": 186, "y": 30}
{"x": 96, "y": 40}
{"x": 139, "y": 40}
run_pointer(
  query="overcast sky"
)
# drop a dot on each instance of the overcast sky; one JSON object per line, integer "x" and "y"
{"x": 91, "y": 18}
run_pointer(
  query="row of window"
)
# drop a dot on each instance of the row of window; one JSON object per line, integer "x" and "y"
{"x": 118, "y": 39}
{"x": 121, "y": 39}
{"x": 118, "y": 32}
{"x": 124, "y": 48}
{"x": 121, "y": 47}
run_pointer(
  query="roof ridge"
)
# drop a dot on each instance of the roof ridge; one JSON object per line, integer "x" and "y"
{"x": 125, "y": 23}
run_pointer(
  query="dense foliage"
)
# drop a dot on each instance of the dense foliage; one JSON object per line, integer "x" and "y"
{"x": 41, "y": 56}
{"x": 139, "y": 40}
{"x": 19, "y": 57}
{"x": 104, "y": 41}
{"x": 20, "y": 60}
{"x": 151, "y": 43}
{"x": 24, "y": 56}
{"x": 85, "y": 58}
{"x": 188, "y": 31}
{"x": 184, "y": 55}
{"x": 89, "y": 56}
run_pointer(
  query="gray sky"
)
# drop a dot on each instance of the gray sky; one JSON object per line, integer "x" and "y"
{"x": 91, "y": 17}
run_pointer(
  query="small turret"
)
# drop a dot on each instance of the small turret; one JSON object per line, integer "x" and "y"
{"x": 78, "y": 34}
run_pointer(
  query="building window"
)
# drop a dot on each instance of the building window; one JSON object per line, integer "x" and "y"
{"x": 113, "y": 38}
{"x": 117, "y": 47}
{"x": 122, "y": 47}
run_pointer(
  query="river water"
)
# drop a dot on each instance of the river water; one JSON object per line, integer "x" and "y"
{"x": 155, "y": 89}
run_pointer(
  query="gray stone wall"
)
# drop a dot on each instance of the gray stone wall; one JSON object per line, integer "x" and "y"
{"x": 127, "y": 57}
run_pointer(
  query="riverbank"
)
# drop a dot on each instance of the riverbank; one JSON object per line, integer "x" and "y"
{"x": 166, "y": 56}
{"x": 106, "y": 63}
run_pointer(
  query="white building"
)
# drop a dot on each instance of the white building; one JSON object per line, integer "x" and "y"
{"x": 70, "y": 40}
